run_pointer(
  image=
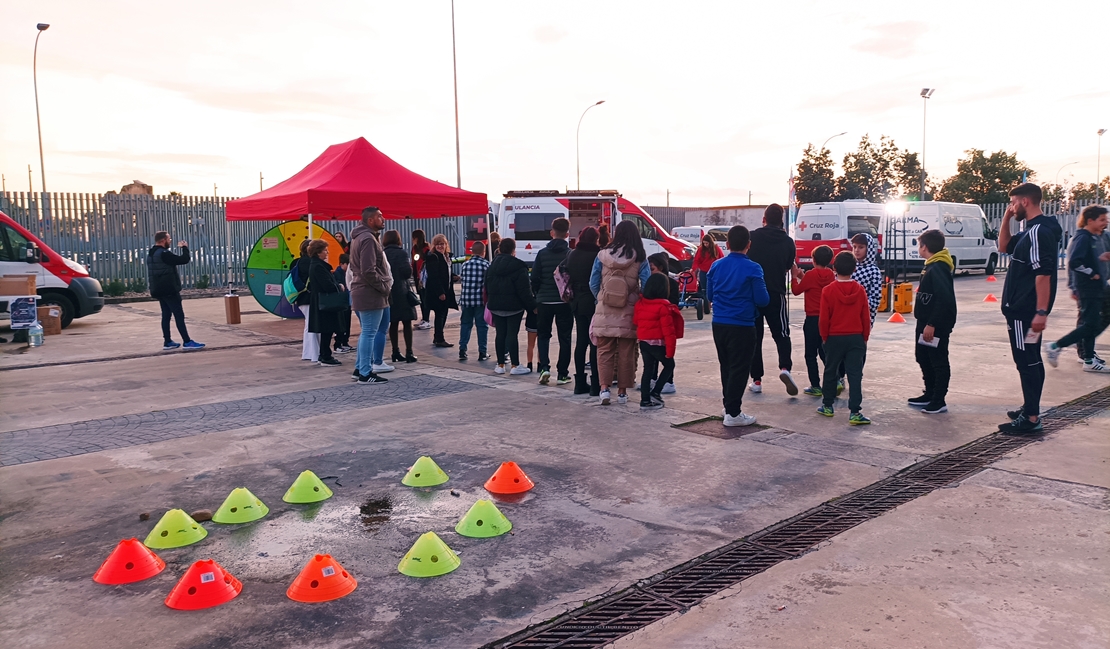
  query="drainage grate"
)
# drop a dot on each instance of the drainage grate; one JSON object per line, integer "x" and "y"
{"x": 674, "y": 590}
{"x": 715, "y": 427}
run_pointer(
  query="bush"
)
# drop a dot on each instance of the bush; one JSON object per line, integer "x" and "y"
{"x": 114, "y": 288}
{"x": 138, "y": 286}
{"x": 204, "y": 282}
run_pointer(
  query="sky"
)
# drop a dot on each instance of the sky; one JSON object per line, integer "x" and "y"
{"x": 710, "y": 100}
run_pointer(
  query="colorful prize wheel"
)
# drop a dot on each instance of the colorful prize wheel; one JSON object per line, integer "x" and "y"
{"x": 268, "y": 263}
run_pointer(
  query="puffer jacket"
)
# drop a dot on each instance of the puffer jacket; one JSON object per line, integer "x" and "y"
{"x": 543, "y": 271}
{"x": 507, "y": 288}
{"x": 162, "y": 277}
{"x": 617, "y": 297}
{"x": 654, "y": 320}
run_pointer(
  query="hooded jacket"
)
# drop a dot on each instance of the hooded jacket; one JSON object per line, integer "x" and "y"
{"x": 774, "y": 251}
{"x": 1033, "y": 252}
{"x": 162, "y": 277}
{"x": 618, "y": 292}
{"x": 736, "y": 288}
{"x": 813, "y": 282}
{"x": 654, "y": 320}
{"x": 371, "y": 278}
{"x": 870, "y": 277}
{"x": 1084, "y": 264}
{"x": 935, "y": 304}
{"x": 844, "y": 310}
{"x": 543, "y": 271}
{"x": 507, "y": 288}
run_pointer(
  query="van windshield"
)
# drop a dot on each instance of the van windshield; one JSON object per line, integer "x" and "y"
{"x": 718, "y": 235}
{"x": 531, "y": 226}
{"x": 865, "y": 224}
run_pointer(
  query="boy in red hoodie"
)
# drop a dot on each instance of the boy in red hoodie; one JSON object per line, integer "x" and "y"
{"x": 845, "y": 325}
{"x": 812, "y": 283}
{"x": 654, "y": 320}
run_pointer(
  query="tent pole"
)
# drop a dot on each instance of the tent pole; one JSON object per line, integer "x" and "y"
{"x": 227, "y": 223}
{"x": 310, "y": 226}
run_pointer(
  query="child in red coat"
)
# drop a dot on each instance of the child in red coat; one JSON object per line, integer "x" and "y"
{"x": 845, "y": 324}
{"x": 811, "y": 284}
{"x": 655, "y": 328}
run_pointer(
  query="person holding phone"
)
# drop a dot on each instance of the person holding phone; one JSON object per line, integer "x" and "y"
{"x": 1027, "y": 298}
{"x": 165, "y": 286}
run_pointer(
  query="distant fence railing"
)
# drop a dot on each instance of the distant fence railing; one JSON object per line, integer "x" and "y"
{"x": 111, "y": 233}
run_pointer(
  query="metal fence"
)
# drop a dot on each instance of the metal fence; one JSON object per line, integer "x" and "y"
{"x": 111, "y": 233}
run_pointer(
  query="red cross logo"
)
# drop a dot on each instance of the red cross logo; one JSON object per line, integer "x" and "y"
{"x": 802, "y": 226}
{"x": 480, "y": 225}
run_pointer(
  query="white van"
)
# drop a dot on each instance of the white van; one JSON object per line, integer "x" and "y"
{"x": 693, "y": 235}
{"x": 834, "y": 225}
{"x": 527, "y": 215}
{"x": 964, "y": 227}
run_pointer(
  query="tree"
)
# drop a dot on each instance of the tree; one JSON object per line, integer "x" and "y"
{"x": 908, "y": 169}
{"x": 1053, "y": 193}
{"x": 1086, "y": 191}
{"x": 984, "y": 179}
{"x": 814, "y": 182}
{"x": 871, "y": 172}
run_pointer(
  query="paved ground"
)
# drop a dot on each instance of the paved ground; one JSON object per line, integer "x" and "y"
{"x": 97, "y": 427}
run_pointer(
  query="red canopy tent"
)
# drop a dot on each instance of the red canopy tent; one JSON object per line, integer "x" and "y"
{"x": 346, "y": 178}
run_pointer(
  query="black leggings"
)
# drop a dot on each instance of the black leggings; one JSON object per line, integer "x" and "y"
{"x": 506, "y": 339}
{"x": 582, "y": 344}
{"x": 407, "y": 326}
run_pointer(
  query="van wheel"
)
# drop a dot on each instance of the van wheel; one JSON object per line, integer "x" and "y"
{"x": 990, "y": 264}
{"x": 698, "y": 310}
{"x": 62, "y": 302}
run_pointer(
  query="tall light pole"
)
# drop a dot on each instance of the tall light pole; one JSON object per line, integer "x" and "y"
{"x": 925, "y": 94}
{"x": 455, "y": 74}
{"x": 1098, "y": 164}
{"x": 1057, "y": 183}
{"x": 35, "y": 72}
{"x": 577, "y": 150}
{"x": 827, "y": 141}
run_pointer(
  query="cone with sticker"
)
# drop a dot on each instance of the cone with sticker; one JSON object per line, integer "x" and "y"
{"x": 990, "y": 298}
{"x": 429, "y": 557}
{"x": 424, "y": 473}
{"x": 509, "y": 479}
{"x": 897, "y": 319}
{"x": 131, "y": 561}
{"x": 483, "y": 521}
{"x": 322, "y": 580}
{"x": 307, "y": 488}
{"x": 240, "y": 506}
{"x": 204, "y": 585}
{"x": 176, "y": 529}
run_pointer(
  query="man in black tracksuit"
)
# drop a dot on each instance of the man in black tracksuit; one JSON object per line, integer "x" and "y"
{"x": 935, "y": 312}
{"x": 165, "y": 286}
{"x": 551, "y": 306}
{"x": 774, "y": 251}
{"x": 1027, "y": 297}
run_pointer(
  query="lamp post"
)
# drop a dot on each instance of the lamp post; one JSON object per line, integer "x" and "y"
{"x": 35, "y": 73}
{"x": 455, "y": 75}
{"x": 1057, "y": 183}
{"x": 1098, "y": 164}
{"x": 827, "y": 141}
{"x": 577, "y": 149}
{"x": 925, "y": 94}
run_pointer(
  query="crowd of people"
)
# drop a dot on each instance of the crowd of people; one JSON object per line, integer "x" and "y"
{"x": 609, "y": 306}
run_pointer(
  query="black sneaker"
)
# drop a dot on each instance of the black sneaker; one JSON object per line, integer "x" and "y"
{"x": 330, "y": 361}
{"x": 463, "y": 356}
{"x": 372, "y": 378}
{"x": 650, "y": 405}
{"x": 921, "y": 401}
{"x": 935, "y": 408}
{"x": 482, "y": 356}
{"x": 355, "y": 375}
{"x": 1014, "y": 414}
{"x": 657, "y": 399}
{"x": 1022, "y": 426}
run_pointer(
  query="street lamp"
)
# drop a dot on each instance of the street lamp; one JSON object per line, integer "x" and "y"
{"x": 827, "y": 141}
{"x": 455, "y": 75}
{"x": 1061, "y": 169}
{"x": 35, "y": 72}
{"x": 577, "y": 149}
{"x": 1098, "y": 164}
{"x": 925, "y": 94}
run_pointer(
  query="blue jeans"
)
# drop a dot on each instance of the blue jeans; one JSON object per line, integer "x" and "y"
{"x": 371, "y": 322}
{"x": 473, "y": 315}
{"x": 379, "y": 341}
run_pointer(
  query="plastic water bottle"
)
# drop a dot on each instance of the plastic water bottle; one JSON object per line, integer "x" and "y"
{"x": 34, "y": 335}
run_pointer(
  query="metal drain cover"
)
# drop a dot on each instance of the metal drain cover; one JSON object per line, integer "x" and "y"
{"x": 715, "y": 427}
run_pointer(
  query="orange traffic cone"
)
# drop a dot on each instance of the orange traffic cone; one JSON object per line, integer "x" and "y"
{"x": 897, "y": 318}
{"x": 509, "y": 479}
{"x": 992, "y": 278}
{"x": 322, "y": 580}
{"x": 131, "y": 561}
{"x": 204, "y": 585}
{"x": 990, "y": 298}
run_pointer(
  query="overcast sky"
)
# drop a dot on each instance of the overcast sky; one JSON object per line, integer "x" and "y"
{"x": 708, "y": 99}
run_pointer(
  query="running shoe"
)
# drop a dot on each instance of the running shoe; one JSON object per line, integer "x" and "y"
{"x": 756, "y": 387}
{"x": 1021, "y": 425}
{"x": 1098, "y": 367}
{"x": 813, "y": 391}
{"x": 192, "y": 344}
{"x": 170, "y": 345}
{"x": 935, "y": 408}
{"x": 520, "y": 369}
{"x": 372, "y": 378}
{"x": 1052, "y": 354}
{"x": 857, "y": 419}
{"x": 545, "y": 376}
{"x": 788, "y": 381}
{"x": 739, "y": 420}
{"x": 606, "y": 397}
{"x": 562, "y": 380}
{"x": 825, "y": 410}
{"x": 921, "y": 401}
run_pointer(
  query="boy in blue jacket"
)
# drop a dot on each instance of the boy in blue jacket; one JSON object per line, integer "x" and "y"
{"x": 736, "y": 290}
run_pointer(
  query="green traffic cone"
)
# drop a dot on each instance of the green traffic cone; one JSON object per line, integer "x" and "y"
{"x": 424, "y": 473}
{"x": 483, "y": 521}
{"x": 307, "y": 488}
{"x": 240, "y": 506}
{"x": 429, "y": 557}
{"x": 176, "y": 529}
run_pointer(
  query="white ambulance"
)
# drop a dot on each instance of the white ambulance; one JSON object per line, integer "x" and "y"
{"x": 526, "y": 216}
{"x": 834, "y": 225}
{"x": 964, "y": 227}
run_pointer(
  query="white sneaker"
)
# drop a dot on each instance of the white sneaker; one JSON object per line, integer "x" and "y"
{"x": 381, "y": 369}
{"x": 520, "y": 369}
{"x": 739, "y": 420}
{"x": 1097, "y": 367}
{"x": 424, "y": 324}
{"x": 500, "y": 369}
{"x": 606, "y": 397}
{"x": 668, "y": 388}
{"x": 622, "y": 399}
{"x": 1096, "y": 357}
{"x": 1052, "y": 354}
{"x": 791, "y": 386}
{"x": 756, "y": 387}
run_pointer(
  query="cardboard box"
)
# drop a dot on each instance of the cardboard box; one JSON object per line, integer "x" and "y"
{"x": 18, "y": 285}
{"x": 50, "y": 317}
